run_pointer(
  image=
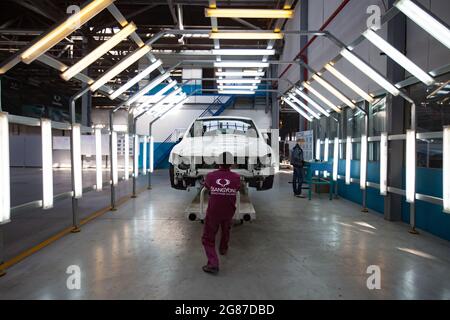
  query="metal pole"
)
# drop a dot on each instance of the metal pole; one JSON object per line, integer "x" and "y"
{"x": 2, "y": 271}
{"x": 149, "y": 186}
{"x": 412, "y": 206}
{"x": 135, "y": 150}
{"x": 366, "y": 131}
{"x": 337, "y": 146}
{"x": 113, "y": 187}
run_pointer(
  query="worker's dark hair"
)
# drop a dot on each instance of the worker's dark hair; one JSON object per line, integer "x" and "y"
{"x": 226, "y": 159}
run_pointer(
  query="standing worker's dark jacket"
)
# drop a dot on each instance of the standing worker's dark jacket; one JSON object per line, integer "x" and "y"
{"x": 297, "y": 156}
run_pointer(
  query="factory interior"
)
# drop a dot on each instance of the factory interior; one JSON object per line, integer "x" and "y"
{"x": 115, "y": 116}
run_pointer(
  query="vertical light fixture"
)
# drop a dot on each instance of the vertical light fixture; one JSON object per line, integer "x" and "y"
{"x": 348, "y": 160}
{"x": 325, "y": 151}
{"x": 127, "y": 156}
{"x": 151, "y": 153}
{"x": 410, "y": 166}
{"x": 383, "y": 163}
{"x": 47, "y": 164}
{"x": 144, "y": 156}
{"x": 76, "y": 158}
{"x": 5, "y": 201}
{"x": 98, "y": 159}
{"x": 363, "y": 163}
{"x": 318, "y": 149}
{"x": 115, "y": 176}
{"x": 136, "y": 156}
{"x": 335, "y": 158}
{"x": 446, "y": 169}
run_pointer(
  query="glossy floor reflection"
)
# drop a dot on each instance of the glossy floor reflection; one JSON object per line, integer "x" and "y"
{"x": 296, "y": 249}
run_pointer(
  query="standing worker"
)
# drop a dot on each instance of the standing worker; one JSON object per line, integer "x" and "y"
{"x": 223, "y": 186}
{"x": 297, "y": 162}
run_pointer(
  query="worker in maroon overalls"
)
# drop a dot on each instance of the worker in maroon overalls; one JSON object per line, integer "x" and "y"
{"x": 223, "y": 186}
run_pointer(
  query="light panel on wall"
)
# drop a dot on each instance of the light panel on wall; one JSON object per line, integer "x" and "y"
{"x": 5, "y": 200}
{"x": 348, "y": 160}
{"x": 410, "y": 166}
{"x": 369, "y": 71}
{"x": 72, "y": 23}
{"x": 136, "y": 156}
{"x": 98, "y": 52}
{"x": 47, "y": 164}
{"x": 246, "y": 35}
{"x": 446, "y": 169}
{"x": 239, "y": 81}
{"x": 249, "y": 13}
{"x": 115, "y": 170}
{"x": 312, "y": 102}
{"x": 325, "y": 151}
{"x": 244, "y": 73}
{"x": 98, "y": 159}
{"x": 304, "y": 106}
{"x": 144, "y": 155}
{"x": 321, "y": 97}
{"x": 300, "y": 111}
{"x": 335, "y": 158}
{"x": 383, "y": 163}
{"x": 127, "y": 156}
{"x": 398, "y": 57}
{"x": 243, "y": 52}
{"x": 318, "y": 151}
{"x": 241, "y": 87}
{"x": 363, "y": 163}
{"x": 152, "y": 153}
{"x": 76, "y": 160}
{"x": 236, "y": 92}
{"x": 423, "y": 19}
{"x": 334, "y": 91}
{"x": 240, "y": 64}
{"x": 152, "y": 84}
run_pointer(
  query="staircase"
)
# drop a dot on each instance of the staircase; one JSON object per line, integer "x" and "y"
{"x": 217, "y": 107}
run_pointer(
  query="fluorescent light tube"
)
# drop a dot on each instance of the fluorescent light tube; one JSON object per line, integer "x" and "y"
{"x": 446, "y": 169}
{"x": 294, "y": 98}
{"x": 144, "y": 156}
{"x": 304, "y": 114}
{"x": 398, "y": 57}
{"x": 152, "y": 150}
{"x": 136, "y": 156}
{"x": 221, "y": 87}
{"x": 119, "y": 67}
{"x": 321, "y": 97}
{"x": 47, "y": 164}
{"x": 240, "y": 64}
{"x": 325, "y": 151}
{"x": 348, "y": 159}
{"x": 147, "y": 88}
{"x": 318, "y": 151}
{"x": 5, "y": 200}
{"x": 349, "y": 83}
{"x": 244, "y": 73}
{"x": 363, "y": 163}
{"x": 72, "y": 23}
{"x": 167, "y": 99}
{"x": 98, "y": 159}
{"x": 238, "y": 81}
{"x": 127, "y": 156}
{"x": 410, "y": 166}
{"x": 249, "y": 13}
{"x": 141, "y": 75}
{"x": 98, "y": 52}
{"x": 369, "y": 71}
{"x": 243, "y": 52}
{"x": 334, "y": 91}
{"x": 383, "y": 163}
{"x": 312, "y": 102}
{"x": 335, "y": 158}
{"x": 177, "y": 107}
{"x": 166, "y": 88}
{"x": 236, "y": 92}
{"x": 76, "y": 160}
{"x": 115, "y": 173}
{"x": 423, "y": 19}
{"x": 246, "y": 35}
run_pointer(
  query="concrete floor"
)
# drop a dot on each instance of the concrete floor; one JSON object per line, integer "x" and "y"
{"x": 296, "y": 249}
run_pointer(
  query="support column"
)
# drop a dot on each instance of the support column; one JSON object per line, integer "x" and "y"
{"x": 113, "y": 187}
{"x": 395, "y": 118}
{"x": 366, "y": 132}
{"x": 303, "y": 25}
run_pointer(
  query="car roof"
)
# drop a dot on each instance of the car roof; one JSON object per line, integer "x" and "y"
{"x": 224, "y": 117}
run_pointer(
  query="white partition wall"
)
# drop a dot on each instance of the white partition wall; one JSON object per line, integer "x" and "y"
{"x": 5, "y": 202}
{"x": 47, "y": 164}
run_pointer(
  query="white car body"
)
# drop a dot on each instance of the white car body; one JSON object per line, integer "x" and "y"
{"x": 195, "y": 156}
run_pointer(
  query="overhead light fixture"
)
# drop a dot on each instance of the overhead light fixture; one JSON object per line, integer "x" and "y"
{"x": 334, "y": 91}
{"x": 238, "y": 81}
{"x": 363, "y": 163}
{"x": 144, "y": 156}
{"x": 446, "y": 168}
{"x": 321, "y": 97}
{"x": 147, "y": 88}
{"x": 166, "y": 88}
{"x": 77, "y": 170}
{"x": 325, "y": 151}
{"x": 312, "y": 102}
{"x": 98, "y": 159}
{"x": 423, "y": 19}
{"x": 47, "y": 164}
{"x": 223, "y": 35}
{"x": 249, "y": 13}
{"x": 369, "y": 71}
{"x": 141, "y": 75}
{"x": 300, "y": 111}
{"x": 410, "y": 166}
{"x": 5, "y": 195}
{"x": 136, "y": 156}
{"x": 115, "y": 170}
{"x": 243, "y": 52}
{"x": 72, "y": 23}
{"x": 167, "y": 99}
{"x": 119, "y": 67}
{"x": 98, "y": 52}
{"x": 383, "y": 163}
{"x": 230, "y": 87}
{"x": 318, "y": 151}
{"x": 240, "y": 64}
{"x": 304, "y": 106}
{"x": 236, "y": 92}
{"x": 349, "y": 83}
{"x": 177, "y": 107}
{"x": 244, "y": 73}
{"x": 335, "y": 158}
{"x": 348, "y": 159}
{"x": 398, "y": 57}
{"x": 127, "y": 156}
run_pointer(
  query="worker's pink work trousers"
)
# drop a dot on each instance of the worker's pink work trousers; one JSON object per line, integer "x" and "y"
{"x": 209, "y": 237}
